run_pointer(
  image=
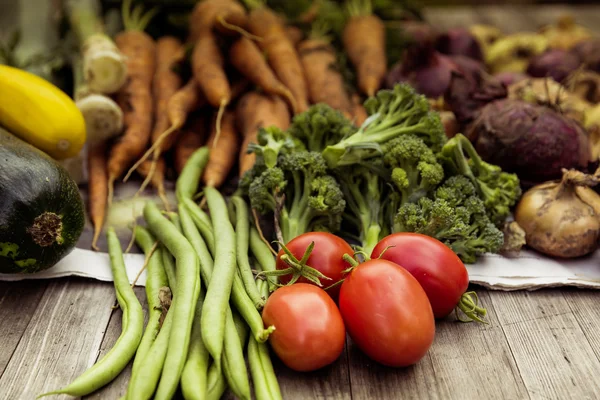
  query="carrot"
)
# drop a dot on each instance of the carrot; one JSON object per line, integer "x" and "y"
{"x": 208, "y": 67}
{"x": 97, "y": 189}
{"x": 325, "y": 82}
{"x": 224, "y": 151}
{"x": 247, "y": 58}
{"x": 280, "y": 51}
{"x": 165, "y": 84}
{"x": 254, "y": 111}
{"x": 294, "y": 34}
{"x": 135, "y": 98}
{"x": 364, "y": 41}
{"x": 157, "y": 169}
{"x": 358, "y": 110}
{"x": 184, "y": 101}
{"x": 192, "y": 137}
{"x": 226, "y": 16}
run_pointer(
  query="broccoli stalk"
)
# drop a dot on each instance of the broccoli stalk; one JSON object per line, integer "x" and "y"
{"x": 363, "y": 188}
{"x": 392, "y": 113}
{"x": 300, "y": 193}
{"x": 456, "y": 216}
{"x": 498, "y": 190}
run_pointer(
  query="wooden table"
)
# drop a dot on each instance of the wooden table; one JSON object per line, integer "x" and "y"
{"x": 537, "y": 345}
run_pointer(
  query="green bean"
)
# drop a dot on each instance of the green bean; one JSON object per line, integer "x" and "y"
{"x": 155, "y": 279}
{"x": 185, "y": 298}
{"x": 217, "y": 384}
{"x": 219, "y": 287}
{"x": 169, "y": 266}
{"x": 242, "y": 230}
{"x": 194, "y": 379}
{"x": 187, "y": 183}
{"x": 174, "y": 218}
{"x": 124, "y": 348}
{"x": 203, "y": 223}
{"x": 260, "y": 363}
{"x": 246, "y": 308}
{"x": 234, "y": 365}
{"x": 143, "y": 384}
{"x": 263, "y": 255}
{"x": 193, "y": 236}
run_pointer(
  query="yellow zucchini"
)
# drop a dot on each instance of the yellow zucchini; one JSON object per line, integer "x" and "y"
{"x": 40, "y": 113}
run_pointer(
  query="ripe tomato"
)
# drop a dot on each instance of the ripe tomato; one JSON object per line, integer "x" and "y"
{"x": 440, "y": 272}
{"x": 309, "y": 330}
{"x": 326, "y": 257}
{"x": 387, "y": 313}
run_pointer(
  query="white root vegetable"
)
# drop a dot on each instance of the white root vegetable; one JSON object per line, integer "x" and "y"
{"x": 104, "y": 66}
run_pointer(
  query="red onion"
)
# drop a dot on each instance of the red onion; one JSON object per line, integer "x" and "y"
{"x": 459, "y": 41}
{"x": 557, "y": 64}
{"x": 589, "y": 53}
{"x": 508, "y": 78}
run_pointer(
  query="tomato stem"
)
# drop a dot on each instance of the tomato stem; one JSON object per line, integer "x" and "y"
{"x": 351, "y": 260}
{"x": 468, "y": 304}
{"x": 298, "y": 268}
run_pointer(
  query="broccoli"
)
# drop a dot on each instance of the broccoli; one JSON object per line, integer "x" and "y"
{"x": 499, "y": 190}
{"x": 364, "y": 189}
{"x": 271, "y": 141}
{"x": 456, "y": 216}
{"x": 415, "y": 170}
{"x": 299, "y": 190}
{"x": 392, "y": 113}
{"x": 320, "y": 126}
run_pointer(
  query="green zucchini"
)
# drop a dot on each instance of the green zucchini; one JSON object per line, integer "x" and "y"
{"x": 41, "y": 210}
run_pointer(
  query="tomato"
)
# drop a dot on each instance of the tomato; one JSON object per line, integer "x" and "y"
{"x": 387, "y": 313}
{"x": 440, "y": 272}
{"x": 309, "y": 330}
{"x": 326, "y": 257}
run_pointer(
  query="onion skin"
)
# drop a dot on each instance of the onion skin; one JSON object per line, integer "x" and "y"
{"x": 555, "y": 63}
{"x": 589, "y": 53}
{"x": 531, "y": 140}
{"x": 561, "y": 219}
{"x": 460, "y": 42}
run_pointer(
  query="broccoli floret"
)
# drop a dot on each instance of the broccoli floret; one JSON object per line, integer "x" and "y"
{"x": 499, "y": 190}
{"x": 320, "y": 126}
{"x": 415, "y": 170}
{"x": 365, "y": 190}
{"x": 456, "y": 216}
{"x": 392, "y": 113}
{"x": 271, "y": 141}
{"x": 300, "y": 191}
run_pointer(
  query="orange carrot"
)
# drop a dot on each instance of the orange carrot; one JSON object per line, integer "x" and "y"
{"x": 325, "y": 82}
{"x": 208, "y": 67}
{"x": 254, "y": 111}
{"x": 280, "y": 51}
{"x": 97, "y": 189}
{"x": 135, "y": 98}
{"x": 227, "y": 16}
{"x": 165, "y": 84}
{"x": 364, "y": 42}
{"x": 224, "y": 151}
{"x": 294, "y": 34}
{"x": 358, "y": 110}
{"x": 192, "y": 137}
{"x": 184, "y": 101}
{"x": 157, "y": 169}
{"x": 247, "y": 58}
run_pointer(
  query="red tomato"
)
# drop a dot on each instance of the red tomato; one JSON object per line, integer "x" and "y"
{"x": 309, "y": 330}
{"x": 326, "y": 257}
{"x": 440, "y": 272}
{"x": 387, "y": 313}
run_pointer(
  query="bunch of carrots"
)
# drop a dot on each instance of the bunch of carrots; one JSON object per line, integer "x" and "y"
{"x": 250, "y": 69}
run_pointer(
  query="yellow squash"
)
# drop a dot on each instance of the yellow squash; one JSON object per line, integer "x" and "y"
{"x": 40, "y": 113}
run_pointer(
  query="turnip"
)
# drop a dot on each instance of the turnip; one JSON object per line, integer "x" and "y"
{"x": 531, "y": 140}
{"x": 555, "y": 63}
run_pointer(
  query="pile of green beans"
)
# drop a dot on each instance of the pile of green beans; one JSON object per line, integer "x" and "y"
{"x": 201, "y": 340}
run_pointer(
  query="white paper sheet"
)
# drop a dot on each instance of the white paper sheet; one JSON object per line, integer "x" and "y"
{"x": 529, "y": 270}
